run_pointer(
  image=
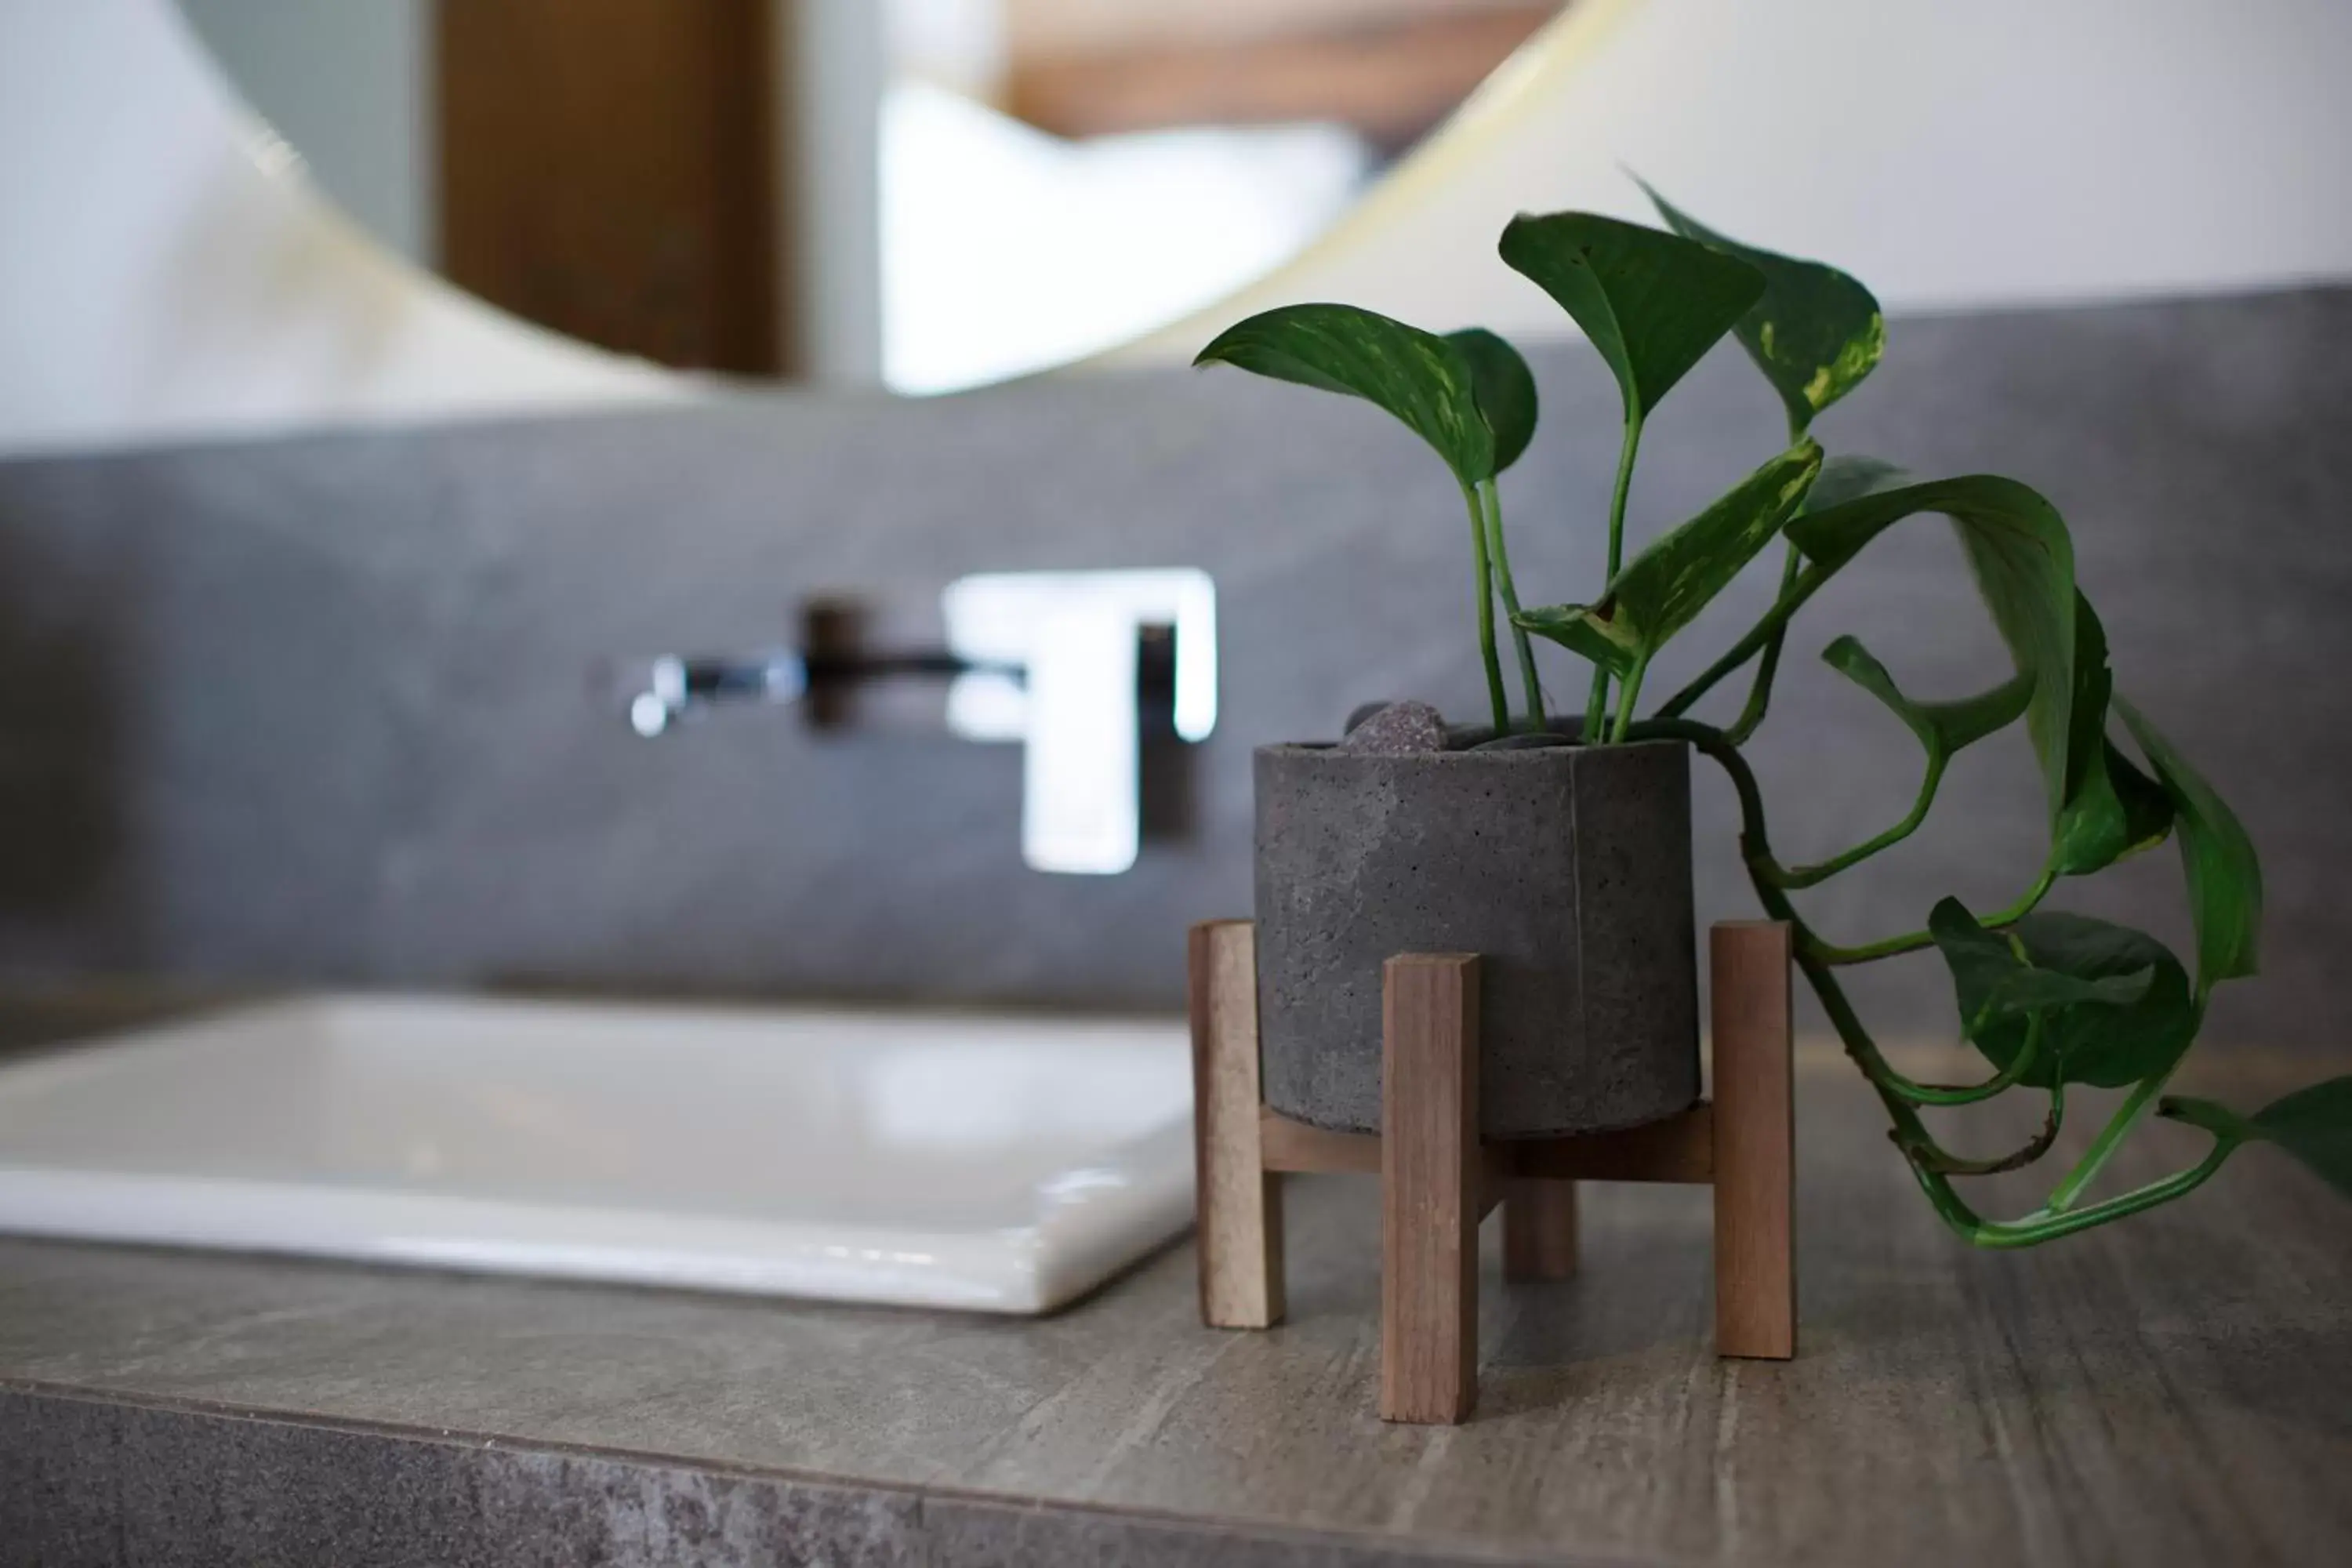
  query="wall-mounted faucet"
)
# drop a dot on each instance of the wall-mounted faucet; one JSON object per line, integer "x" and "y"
{"x": 1074, "y": 664}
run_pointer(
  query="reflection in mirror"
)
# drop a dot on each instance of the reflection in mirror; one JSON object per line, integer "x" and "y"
{"x": 1060, "y": 176}
{"x": 932, "y": 193}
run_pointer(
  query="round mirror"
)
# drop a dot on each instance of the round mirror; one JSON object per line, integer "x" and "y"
{"x": 933, "y": 194}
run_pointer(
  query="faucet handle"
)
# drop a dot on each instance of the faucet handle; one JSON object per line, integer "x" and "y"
{"x": 1082, "y": 784}
{"x": 1076, "y": 637}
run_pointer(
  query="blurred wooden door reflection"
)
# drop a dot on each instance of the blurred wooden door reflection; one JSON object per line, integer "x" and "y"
{"x": 1390, "y": 69}
{"x": 608, "y": 168}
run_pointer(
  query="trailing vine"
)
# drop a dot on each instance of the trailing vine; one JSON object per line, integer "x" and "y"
{"x": 2051, "y": 1000}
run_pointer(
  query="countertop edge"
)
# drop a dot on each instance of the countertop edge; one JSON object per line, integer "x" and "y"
{"x": 89, "y": 1475}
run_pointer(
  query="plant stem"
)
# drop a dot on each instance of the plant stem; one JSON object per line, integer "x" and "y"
{"x": 1910, "y": 1134}
{"x": 1739, "y": 653}
{"x": 1914, "y": 942}
{"x": 1759, "y": 693}
{"x": 1755, "y": 849}
{"x": 2102, "y": 1148}
{"x": 1493, "y": 509}
{"x": 1596, "y": 706}
{"x": 1628, "y": 696}
{"x": 1795, "y": 877}
{"x": 1944, "y": 1094}
{"x": 1485, "y": 573}
{"x": 1943, "y": 1163}
{"x": 2119, "y": 1126}
{"x": 1757, "y": 638}
{"x": 1626, "y": 451}
{"x": 2049, "y": 1225}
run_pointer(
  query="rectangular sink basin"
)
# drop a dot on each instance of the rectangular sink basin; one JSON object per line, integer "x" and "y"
{"x": 1004, "y": 1165}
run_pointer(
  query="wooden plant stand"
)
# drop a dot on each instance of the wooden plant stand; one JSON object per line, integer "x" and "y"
{"x": 1438, "y": 1180}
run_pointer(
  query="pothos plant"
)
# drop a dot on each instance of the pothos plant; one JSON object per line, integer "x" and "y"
{"x": 2051, "y": 1000}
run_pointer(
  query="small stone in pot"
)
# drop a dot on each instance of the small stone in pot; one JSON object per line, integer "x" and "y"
{"x": 1400, "y": 729}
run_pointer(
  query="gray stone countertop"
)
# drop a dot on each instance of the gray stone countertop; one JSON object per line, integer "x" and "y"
{"x": 2174, "y": 1390}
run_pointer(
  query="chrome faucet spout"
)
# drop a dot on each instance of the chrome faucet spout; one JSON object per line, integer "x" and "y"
{"x": 1074, "y": 664}
{"x": 677, "y": 682}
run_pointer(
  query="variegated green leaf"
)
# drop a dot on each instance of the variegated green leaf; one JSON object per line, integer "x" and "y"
{"x": 1651, "y": 301}
{"x": 1418, "y": 377}
{"x": 1664, "y": 588}
{"x": 1815, "y": 333}
{"x": 1584, "y": 630}
{"x": 1505, "y": 388}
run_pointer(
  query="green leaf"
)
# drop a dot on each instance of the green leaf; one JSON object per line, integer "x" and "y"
{"x": 2115, "y": 1001}
{"x": 2147, "y": 809}
{"x": 2111, "y": 808}
{"x": 1663, "y": 589}
{"x": 1815, "y": 333}
{"x": 1979, "y": 960}
{"x": 1651, "y": 303}
{"x": 2112, "y": 1046}
{"x": 2225, "y": 876}
{"x": 1850, "y": 477}
{"x": 1420, "y": 377}
{"x": 2102, "y": 807}
{"x": 1943, "y": 728}
{"x": 1585, "y": 630}
{"x": 2023, "y": 561}
{"x": 1504, "y": 389}
{"x": 2315, "y": 1125}
{"x": 2034, "y": 989}
{"x": 1998, "y": 983}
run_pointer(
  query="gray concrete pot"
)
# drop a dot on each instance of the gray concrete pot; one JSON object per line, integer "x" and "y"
{"x": 1567, "y": 867}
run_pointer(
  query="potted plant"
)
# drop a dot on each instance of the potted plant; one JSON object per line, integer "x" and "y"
{"x": 1558, "y": 847}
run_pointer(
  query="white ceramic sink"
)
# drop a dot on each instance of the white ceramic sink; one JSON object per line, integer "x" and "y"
{"x": 997, "y": 1164}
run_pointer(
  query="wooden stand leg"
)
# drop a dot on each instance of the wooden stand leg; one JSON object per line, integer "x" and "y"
{"x": 1240, "y": 1201}
{"x": 1539, "y": 1229}
{"x": 1430, "y": 1188}
{"x": 1755, "y": 1143}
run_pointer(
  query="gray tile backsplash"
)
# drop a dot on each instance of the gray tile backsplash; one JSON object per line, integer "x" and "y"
{"x": 322, "y": 708}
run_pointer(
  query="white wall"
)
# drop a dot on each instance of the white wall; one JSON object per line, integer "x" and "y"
{"x": 835, "y": 65}
{"x": 1949, "y": 153}
{"x": 166, "y": 273}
